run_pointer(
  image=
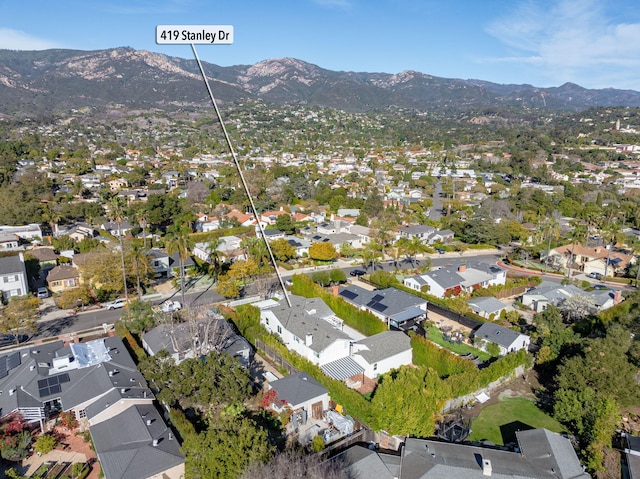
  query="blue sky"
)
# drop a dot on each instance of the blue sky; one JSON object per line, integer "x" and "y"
{"x": 594, "y": 43}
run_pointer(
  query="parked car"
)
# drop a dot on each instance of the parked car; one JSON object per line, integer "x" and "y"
{"x": 357, "y": 272}
{"x": 10, "y": 339}
{"x": 118, "y": 303}
{"x": 593, "y": 275}
{"x": 42, "y": 293}
{"x": 169, "y": 306}
{"x": 440, "y": 250}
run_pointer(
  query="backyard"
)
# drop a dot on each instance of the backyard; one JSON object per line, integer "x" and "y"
{"x": 499, "y": 422}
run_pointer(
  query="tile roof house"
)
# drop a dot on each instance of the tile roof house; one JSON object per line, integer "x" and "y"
{"x": 466, "y": 278}
{"x": 13, "y": 276}
{"x": 540, "y": 454}
{"x": 507, "y": 339}
{"x": 591, "y": 259}
{"x": 396, "y": 308}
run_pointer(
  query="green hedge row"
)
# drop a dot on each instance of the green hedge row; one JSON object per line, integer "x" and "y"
{"x": 129, "y": 341}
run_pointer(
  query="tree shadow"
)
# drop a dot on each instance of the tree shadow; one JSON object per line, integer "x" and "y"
{"x": 508, "y": 431}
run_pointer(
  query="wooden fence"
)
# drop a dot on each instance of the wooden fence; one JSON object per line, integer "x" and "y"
{"x": 275, "y": 357}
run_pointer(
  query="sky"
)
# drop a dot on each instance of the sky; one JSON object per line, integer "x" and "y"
{"x": 545, "y": 43}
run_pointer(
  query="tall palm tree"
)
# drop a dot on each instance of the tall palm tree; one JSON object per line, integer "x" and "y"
{"x": 610, "y": 234}
{"x": 577, "y": 235}
{"x": 117, "y": 214}
{"x": 178, "y": 242}
{"x": 140, "y": 262}
{"x": 214, "y": 256}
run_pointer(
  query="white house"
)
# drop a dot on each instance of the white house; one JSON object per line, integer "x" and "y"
{"x": 466, "y": 278}
{"x": 309, "y": 328}
{"x": 380, "y": 353}
{"x": 301, "y": 393}
{"x": 507, "y": 339}
{"x": 13, "y": 276}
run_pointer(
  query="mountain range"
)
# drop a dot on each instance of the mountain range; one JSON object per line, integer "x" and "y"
{"x": 53, "y": 81}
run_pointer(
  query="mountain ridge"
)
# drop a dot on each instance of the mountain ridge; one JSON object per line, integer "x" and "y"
{"x": 37, "y": 82}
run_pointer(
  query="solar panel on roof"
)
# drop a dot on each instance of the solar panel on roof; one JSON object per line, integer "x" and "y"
{"x": 348, "y": 294}
{"x": 377, "y": 297}
{"x": 51, "y": 385}
{"x": 3, "y": 367}
{"x": 13, "y": 361}
{"x": 379, "y": 307}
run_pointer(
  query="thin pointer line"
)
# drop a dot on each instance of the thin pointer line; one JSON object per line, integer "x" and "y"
{"x": 244, "y": 183}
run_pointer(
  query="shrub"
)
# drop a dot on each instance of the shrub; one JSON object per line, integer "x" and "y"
{"x": 45, "y": 443}
{"x": 317, "y": 444}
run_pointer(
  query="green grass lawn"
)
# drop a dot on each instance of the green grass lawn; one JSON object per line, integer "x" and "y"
{"x": 437, "y": 337}
{"x": 499, "y": 422}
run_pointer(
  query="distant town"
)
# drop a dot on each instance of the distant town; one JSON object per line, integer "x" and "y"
{"x": 402, "y": 295}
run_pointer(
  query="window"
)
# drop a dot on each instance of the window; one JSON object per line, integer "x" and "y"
{"x": 375, "y": 366}
{"x": 82, "y": 413}
{"x": 279, "y": 328}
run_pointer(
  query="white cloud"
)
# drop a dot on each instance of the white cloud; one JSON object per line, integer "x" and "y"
{"x": 571, "y": 40}
{"x": 18, "y": 40}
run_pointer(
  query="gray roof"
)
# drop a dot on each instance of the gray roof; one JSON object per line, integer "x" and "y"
{"x": 11, "y": 264}
{"x": 550, "y": 451}
{"x": 35, "y": 381}
{"x": 487, "y": 304}
{"x": 124, "y": 444}
{"x": 384, "y": 345}
{"x": 298, "y": 388}
{"x": 496, "y": 334}
{"x": 446, "y": 278}
{"x": 425, "y": 459}
{"x": 307, "y": 316}
{"x": 417, "y": 230}
{"x": 361, "y": 463}
{"x": 387, "y": 302}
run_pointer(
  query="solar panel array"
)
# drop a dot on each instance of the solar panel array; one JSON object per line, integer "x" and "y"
{"x": 8, "y": 362}
{"x": 348, "y": 294}
{"x": 52, "y": 385}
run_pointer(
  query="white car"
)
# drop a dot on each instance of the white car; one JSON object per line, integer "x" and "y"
{"x": 118, "y": 303}
{"x": 171, "y": 306}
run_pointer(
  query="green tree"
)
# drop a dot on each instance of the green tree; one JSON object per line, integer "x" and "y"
{"x": 45, "y": 443}
{"x": 285, "y": 224}
{"x": 178, "y": 242}
{"x": 225, "y": 449}
{"x": 19, "y": 316}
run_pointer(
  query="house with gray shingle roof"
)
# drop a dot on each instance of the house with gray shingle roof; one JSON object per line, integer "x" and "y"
{"x": 382, "y": 352}
{"x": 486, "y": 306}
{"x": 466, "y": 277}
{"x": 396, "y": 308}
{"x": 137, "y": 444}
{"x": 300, "y": 391}
{"x": 312, "y": 330}
{"x": 13, "y": 276}
{"x": 541, "y": 454}
{"x": 507, "y": 339}
{"x": 309, "y": 328}
{"x": 547, "y": 293}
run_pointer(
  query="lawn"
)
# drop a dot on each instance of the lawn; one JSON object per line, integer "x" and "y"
{"x": 437, "y": 337}
{"x": 499, "y": 422}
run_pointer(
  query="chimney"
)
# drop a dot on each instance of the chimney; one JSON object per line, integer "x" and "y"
{"x": 155, "y": 443}
{"x": 486, "y": 467}
{"x": 617, "y": 296}
{"x": 309, "y": 339}
{"x": 462, "y": 268}
{"x": 336, "y": 289}
{"x": 148, "y": 422}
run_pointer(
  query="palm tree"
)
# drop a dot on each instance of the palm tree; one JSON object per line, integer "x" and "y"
{"x": 214, "y": 256}
{"x": 577, "y": 235}
{"x": 140, "y": 262}
{"x": 178, "y": 242}
{"x": 117, "y": 214}
{"x": 610, "y": 234}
